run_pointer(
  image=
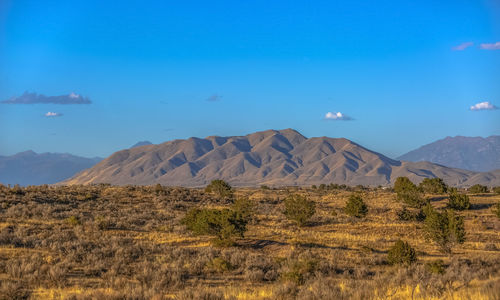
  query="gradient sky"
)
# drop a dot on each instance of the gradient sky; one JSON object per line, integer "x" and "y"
{"x": 150, "y": 70}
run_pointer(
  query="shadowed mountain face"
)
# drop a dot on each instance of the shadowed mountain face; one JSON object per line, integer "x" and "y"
{"x": 30, "y": 168}
{"x": 270, "y": 157}
{"x": 469, "y": 153}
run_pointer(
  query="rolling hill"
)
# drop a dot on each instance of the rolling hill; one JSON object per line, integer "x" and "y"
{"x": 272, "y": 157}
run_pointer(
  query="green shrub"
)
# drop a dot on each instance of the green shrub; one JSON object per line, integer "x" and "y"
{"x": 436, "y": 266}
{"x": 458, "y": 201}
{"x": 356, "y": 207}
{"x": 298, "y": 269}
{"x": 403, "y": 184}
{"x": 433, "y": 186}
{"x": 445, "y": 229}
{"x": 73, "y": 221}
{"x": 244, "y": 209}
{"x": 224, "y": 224}
{"x": 412, "y": 198}
{"x": 496, "y": 190}
{"x": 219, "y": 265}
{"x": 478, "y": 189}
{"x": 401, "y": 253}
{"x": 411, "y": 215}
{"x": 220, "y": 188}
{"x": 496, "y": 209}
{"x": 299, "y": 209}
{"x": 408, "y": 192}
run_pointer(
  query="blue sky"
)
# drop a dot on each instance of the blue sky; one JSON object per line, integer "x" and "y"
{"x": 150, "y": 67}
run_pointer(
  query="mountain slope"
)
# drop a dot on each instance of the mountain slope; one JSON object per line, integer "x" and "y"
{"x": 470, "y": 153}
{"x": 271, "y": 157}
{"x": 30, "y": 168}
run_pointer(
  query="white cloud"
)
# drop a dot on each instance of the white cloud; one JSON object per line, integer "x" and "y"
{"x": 53, "y": 114}
{"x": 462, "y": 46}
{"x": 494, "y": 46}
{"x": 337, "y": 116}
{"x": 483, "y": 106}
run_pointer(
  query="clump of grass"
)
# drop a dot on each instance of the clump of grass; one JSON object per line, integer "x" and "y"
{"x": 73, "y": 221}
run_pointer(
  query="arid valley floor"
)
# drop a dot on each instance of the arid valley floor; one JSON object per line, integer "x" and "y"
{"x": 110, "y": 242}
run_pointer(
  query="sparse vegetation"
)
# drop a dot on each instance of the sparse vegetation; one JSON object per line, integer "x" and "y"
{"x": 299, "y": 209}
{"x": 496, "y": 190}
{"x": 110, "y": 242}
{"x": 478, "y": 189}
{"x": 406, "y": 214}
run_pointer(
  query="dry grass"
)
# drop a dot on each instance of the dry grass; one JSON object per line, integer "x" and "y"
{"x": 106, "y": 242}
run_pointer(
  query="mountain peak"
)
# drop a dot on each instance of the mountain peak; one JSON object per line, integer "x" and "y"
{"x": 141, "y": 143}
{"x": 26, "y": 153}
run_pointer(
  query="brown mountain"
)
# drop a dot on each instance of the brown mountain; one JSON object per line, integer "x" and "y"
{"x": 272, "y": 157}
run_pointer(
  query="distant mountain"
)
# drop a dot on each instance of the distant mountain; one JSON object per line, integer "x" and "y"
{"x": 30, "y": 168}
{"x": 469, "y": 153}
{"x": 141, "y": 143}
{"x": 270, "y": 157}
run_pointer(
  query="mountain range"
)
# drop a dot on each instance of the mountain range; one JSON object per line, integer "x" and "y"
{"x": 272, "y": 157}
{"x": 469, "y": 153}
{"x": 30, "y": 168}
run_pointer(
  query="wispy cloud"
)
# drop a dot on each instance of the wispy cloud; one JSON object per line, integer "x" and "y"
{"x": 34, "y": 98}
{"x": 338, "y": 116}
{"x": 53, "y": 114}
{"x": 214, "y": 97}
{"x": 483, "y": 106}
{"x": 462, "y": 46}
{"x": 494, "y": 46}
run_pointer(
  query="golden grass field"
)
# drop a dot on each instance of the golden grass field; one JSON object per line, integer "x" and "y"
{"x": 127, "y": 242}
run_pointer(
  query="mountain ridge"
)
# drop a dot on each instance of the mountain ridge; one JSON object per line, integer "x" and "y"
{"x": 470, "y": 153}
{"x": 272, "y": 157}
{"x": 31, "y": 168}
